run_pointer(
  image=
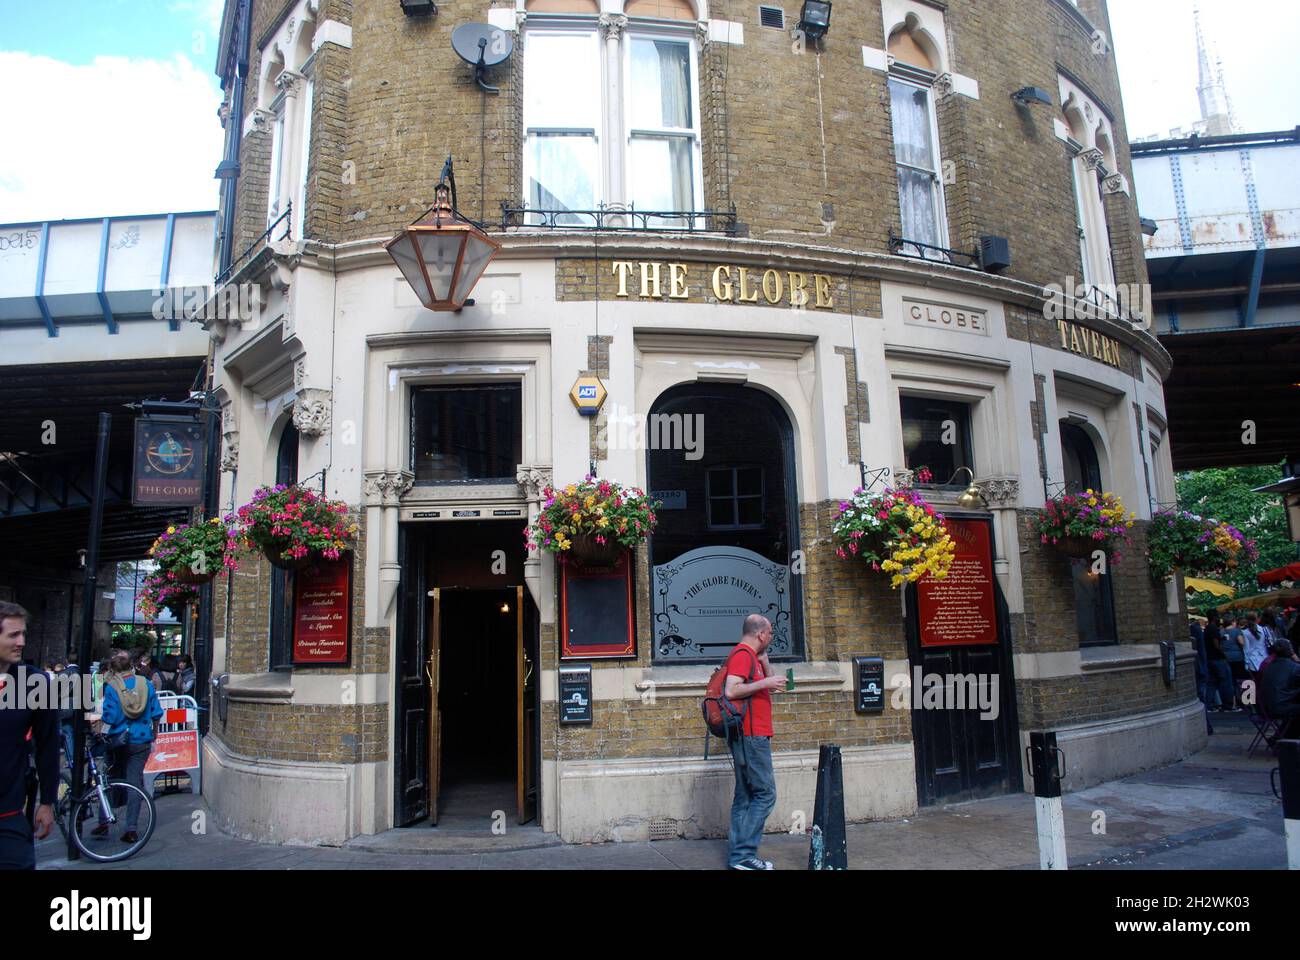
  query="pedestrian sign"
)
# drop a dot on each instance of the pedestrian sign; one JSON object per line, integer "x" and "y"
{"x": 174, "y": 752}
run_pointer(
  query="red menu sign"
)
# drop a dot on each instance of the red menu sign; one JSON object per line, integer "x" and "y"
{"x": 959, "y": 610}
{"x": 322, "y": 612}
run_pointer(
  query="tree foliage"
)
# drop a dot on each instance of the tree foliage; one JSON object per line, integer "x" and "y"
{"x": 1227, "y": 494}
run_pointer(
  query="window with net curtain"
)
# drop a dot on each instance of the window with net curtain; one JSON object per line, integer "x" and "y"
{"x": 916, "y": 157}
{"x": 562, "y": 117}
{"x": 661, "y": 120}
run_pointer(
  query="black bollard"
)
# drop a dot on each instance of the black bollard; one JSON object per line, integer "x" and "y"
{"x": 1045, "y": 769}
{"x": 1288, "y": 765}
{"x": 829, "y": 847}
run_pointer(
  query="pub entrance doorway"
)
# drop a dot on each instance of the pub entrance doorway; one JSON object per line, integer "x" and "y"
{"x": 962, "y": 686}
{"x": 467, "y": 688}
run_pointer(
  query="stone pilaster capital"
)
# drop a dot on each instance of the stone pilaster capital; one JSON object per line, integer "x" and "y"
{"x": 999, "y": 491}
{"x": 534, "y": 479}
{"x": 385, "y": 488}
{"x": 612, "y": 25}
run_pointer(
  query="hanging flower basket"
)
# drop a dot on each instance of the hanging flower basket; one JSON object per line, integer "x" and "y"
{"x": 897, "y": 532}
{"x": 282, "y": 560}
{"x": 591, "y": 553}
{"x": 593, "y": 521}
{"x": 1178, "y": 541}
{"x": 1077, "y": 525}
{"x": 294, "y": 528}
{"x": 1080, "y": 548}
{"x": 186, "y": 575}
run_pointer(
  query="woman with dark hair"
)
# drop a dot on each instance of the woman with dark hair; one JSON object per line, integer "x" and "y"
{"x": 1279, "y": 689}
{"x": 1256, "y": 643}
{"x": 184, "y": 683}
{"x": 1220, "y": 673}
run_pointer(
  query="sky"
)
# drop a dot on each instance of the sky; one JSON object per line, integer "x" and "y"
{"x": 110, "y": 106}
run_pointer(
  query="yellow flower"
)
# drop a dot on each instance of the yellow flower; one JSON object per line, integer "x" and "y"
{"x": 171, "y": 529}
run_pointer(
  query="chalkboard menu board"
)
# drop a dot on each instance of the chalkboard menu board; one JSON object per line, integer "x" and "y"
{"x": 596, "y": 611}
{"x": 322, "y": 613}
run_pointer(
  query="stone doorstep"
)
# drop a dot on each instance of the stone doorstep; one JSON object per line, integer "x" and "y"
{"x": 456, "y": 835}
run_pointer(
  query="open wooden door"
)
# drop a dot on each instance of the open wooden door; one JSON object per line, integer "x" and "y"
{"x": 433, "y": 669}
{"x": 526, "y": 705}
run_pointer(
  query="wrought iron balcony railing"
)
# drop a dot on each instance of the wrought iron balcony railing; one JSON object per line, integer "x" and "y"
{"x": 620, "y": 217}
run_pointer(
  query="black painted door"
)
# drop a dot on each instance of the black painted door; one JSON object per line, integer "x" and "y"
{"x": 412, "y": 740}
{"x": 963, "y": 754}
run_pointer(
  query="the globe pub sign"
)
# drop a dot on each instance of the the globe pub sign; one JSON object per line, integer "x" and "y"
{"x": 169, "y": 458}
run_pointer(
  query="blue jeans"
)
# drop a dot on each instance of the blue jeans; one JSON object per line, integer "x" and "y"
{"x": 1220, "y": 681}
{"x": 755, "y": 796}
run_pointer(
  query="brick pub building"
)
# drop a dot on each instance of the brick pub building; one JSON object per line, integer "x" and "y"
{"x": 723, "y": 218}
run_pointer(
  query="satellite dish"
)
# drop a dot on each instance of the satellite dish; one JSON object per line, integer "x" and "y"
{"x": 482, "y": 45}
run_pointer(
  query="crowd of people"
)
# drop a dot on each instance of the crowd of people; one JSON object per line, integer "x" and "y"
{"x": 124, "y": 712}
{"x": 1249, "y": 662}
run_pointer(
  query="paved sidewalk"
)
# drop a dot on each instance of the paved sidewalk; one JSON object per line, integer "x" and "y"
{"x": 1215, "y": 810}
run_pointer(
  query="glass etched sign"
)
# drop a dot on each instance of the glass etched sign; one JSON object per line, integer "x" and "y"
{"x": 702, "y": 597}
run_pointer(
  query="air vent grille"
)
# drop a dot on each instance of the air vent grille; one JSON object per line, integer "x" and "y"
{"x": 771, "y": 17}
{"x": 664, "y": 828}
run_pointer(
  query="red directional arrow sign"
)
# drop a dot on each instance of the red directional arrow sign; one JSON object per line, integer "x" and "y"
{"x": 174, "y": 751}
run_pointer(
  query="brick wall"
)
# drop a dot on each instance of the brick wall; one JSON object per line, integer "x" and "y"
{"x": 847, "y": 611}
{"x": 321, "y": 733}
{"x": 343, "y": 732}
{"x": 797, "y": 140}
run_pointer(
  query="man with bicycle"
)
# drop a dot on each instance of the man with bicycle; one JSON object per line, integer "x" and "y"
{"x": 17, "y": 847}
{"x": 130, "y": 711}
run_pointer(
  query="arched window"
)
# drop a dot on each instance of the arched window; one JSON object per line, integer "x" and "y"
{"x": 915, "y": 63}
{"x": 1094, "y": 594}
{"x": 305, "y": 58}
{"x": 1092, "y": 160}
{"x": 729, "y": 522}
{"x": 281, "y": 626}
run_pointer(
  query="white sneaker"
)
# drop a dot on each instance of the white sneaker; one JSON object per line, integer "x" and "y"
{"x": 752, "y": 863}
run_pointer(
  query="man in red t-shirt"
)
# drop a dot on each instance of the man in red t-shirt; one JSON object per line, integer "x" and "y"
{"x": 750, "y": 682}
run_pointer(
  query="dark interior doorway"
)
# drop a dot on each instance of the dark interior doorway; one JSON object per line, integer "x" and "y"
{"x": 477, "y": 699}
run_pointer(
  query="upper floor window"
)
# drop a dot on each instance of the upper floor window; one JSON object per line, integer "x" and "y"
{"x": 913, "y": 69}
{"x": 285, "y": 99}
{"x": 1090, "y": 140}
{"x": 611, "y": 112}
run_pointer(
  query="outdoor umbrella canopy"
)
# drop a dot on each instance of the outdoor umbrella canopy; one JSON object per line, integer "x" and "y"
{"x": 1208, "y": 586}
{"x": 1274, "y": 598}
{"x": 1271, "y": 577}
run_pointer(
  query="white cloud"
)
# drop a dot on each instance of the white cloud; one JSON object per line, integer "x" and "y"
{"x": 207, "y": 12}
{"x": 114, "y": 137}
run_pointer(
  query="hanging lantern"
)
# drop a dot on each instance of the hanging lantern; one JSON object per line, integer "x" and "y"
{"x": 442, "y": 255}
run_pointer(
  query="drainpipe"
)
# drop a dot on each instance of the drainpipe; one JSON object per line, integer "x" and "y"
{"x": 234, "y": 135}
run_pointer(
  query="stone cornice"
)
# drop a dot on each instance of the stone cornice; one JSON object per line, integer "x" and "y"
{"x": 717, "y": 248}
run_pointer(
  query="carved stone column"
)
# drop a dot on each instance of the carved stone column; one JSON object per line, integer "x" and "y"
{"x": 612, "y": 26}
{"x": 533, "y": 480}
{"x": 384, "y": 492}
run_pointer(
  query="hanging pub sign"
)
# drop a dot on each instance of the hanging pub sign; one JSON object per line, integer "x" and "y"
{"x": 959, "y": 610}
{"x": 322, "y": 613}
{"x": 170, "y": 455}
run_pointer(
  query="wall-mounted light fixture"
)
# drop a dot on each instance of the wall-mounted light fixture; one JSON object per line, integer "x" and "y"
{"x": 1026, "y": 96}
{"x": 419, "y": 8}
{"x": 815, "y": 18}
{"x": 972, "y": 499}
{"x": 1149, "y": 227}
{"x": 442, "y": 255}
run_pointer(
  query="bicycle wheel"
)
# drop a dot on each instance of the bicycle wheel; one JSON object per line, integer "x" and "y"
{"x": 108, "y": 847}
{"x": 63, "y": 803}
